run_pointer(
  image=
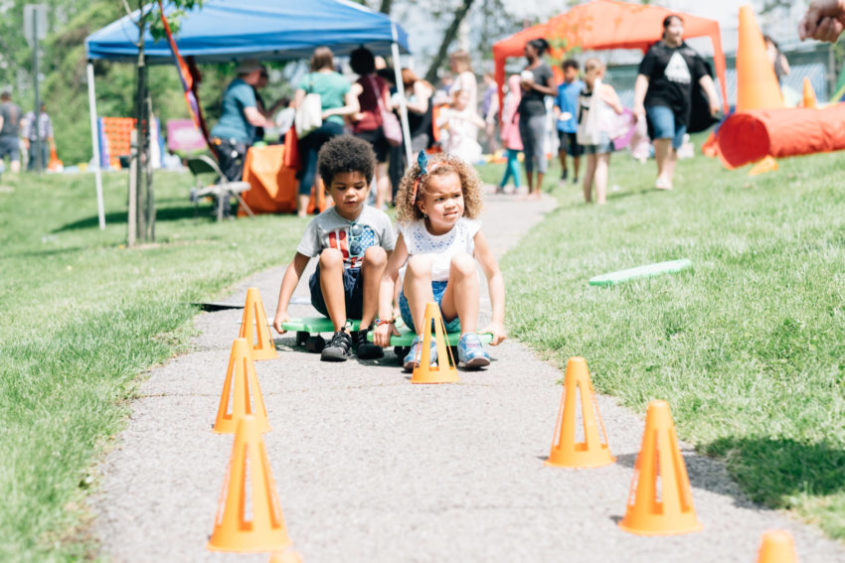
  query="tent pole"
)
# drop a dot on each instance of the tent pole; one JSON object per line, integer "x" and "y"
{"x": 95, "y": 145}
{"x": 403, "y": 108}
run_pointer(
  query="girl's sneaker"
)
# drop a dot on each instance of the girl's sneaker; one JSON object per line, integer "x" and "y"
{"x": 411, "y": 359}
{"x": 471, "y": 352}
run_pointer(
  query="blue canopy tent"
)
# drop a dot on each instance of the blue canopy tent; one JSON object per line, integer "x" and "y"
{"x": 229, "y": 30}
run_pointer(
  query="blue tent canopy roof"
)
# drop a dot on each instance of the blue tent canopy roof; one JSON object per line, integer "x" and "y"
{"x": 226, "y": 30}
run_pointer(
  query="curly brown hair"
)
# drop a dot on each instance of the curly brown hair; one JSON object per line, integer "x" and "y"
{"x": 406, "y": 208}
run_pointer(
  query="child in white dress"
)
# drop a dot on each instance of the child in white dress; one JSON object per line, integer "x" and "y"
{"x": 440, "y": 240}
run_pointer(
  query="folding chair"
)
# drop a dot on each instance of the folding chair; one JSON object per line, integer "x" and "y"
{"x": 204, "y": 164}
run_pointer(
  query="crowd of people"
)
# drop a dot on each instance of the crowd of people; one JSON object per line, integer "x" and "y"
{"x": 21, "y": 135}
{"x": 456, "y": 117}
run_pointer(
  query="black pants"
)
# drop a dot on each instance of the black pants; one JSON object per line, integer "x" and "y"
{"x": 231, "y": 155}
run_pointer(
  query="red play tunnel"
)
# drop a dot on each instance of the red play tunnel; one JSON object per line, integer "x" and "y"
{"x": 748, "y": 136}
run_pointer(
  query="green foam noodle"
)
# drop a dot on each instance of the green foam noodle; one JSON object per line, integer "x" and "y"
{"x": 647, "y": 271}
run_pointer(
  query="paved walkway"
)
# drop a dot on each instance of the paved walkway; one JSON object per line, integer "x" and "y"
{"x": 371, "y": 468}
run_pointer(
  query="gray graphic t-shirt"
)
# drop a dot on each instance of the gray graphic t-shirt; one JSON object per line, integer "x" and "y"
{"x": 352, "y": 238}
{"x": 11, "y": 119}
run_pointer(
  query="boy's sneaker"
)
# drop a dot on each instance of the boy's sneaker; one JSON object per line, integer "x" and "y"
{"x": 338, "y": 349}
{"x": 575, "y": 180}
{"x": 366, "y": 350}
{"x": 471, "y": 352}
{"x": 564, "y": 175}
{"x": 411, "y": 359}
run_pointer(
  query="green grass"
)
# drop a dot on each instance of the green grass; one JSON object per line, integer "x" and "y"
{"x": 748, "y": 347}
{"x": 82, "y": 317}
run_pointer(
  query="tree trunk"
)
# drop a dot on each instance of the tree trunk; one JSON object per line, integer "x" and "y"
{"x": 144, "y": 203}
{"x": 386, "y": 5}
{"x": 448, "y": 37}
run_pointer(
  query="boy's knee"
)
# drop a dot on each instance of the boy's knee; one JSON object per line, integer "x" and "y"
{"x": 463, "y": 264}
{"x": 375, "y": 257}
{"x": 331, "y": 258}
{"x": 419, "y": 265}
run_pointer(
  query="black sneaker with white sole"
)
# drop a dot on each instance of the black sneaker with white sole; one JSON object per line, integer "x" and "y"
{"x": 338, "y": 349}
{"x": 366, "y": 350}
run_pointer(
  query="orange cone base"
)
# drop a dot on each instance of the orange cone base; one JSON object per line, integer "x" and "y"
{"x": 287, "y": 556}
{"x": 676, "y": 529}
{"x": 435, "y": 375}
{"x": 581, "y": 457}
{"x": 232, "y": 543}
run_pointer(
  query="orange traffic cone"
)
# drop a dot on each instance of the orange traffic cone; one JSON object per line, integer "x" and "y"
{"x": 246, "y": 398}
{"x": 261, "y": 527}
{"x": 777, "y": 547}
{"x": 593, "y": 451}
{"x": 663, "y": 509}
{"x": 262, "y": 345}
{"x": 756, "y": 84}
{"x": 423, "y": 371}
{"x": 767, "y": 164}
{"x": 317, "y": 202}
{"x": 809, "y": 99}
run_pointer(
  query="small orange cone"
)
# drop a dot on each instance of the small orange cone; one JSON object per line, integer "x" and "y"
{"x": 255, "y": 523}
{"x": 767, "y": 164}
{"x": 593, "y": 451}
{"x": 756, "y": 84}
{"x": 777, "y": 547}
{"x": 246, "y": 398}
{"x": 809, "y": 99}
{"x": 261, "y": 342}
{"x": 423, "y": 371}
{"x": 317, "y": 201}
{"x": 664, "y": 509}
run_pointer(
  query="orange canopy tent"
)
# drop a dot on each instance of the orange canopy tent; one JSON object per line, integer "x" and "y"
{"x": 608, "y": 24}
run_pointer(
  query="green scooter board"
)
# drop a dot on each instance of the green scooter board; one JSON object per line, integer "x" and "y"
{"x": 406, "y": 337}
{"x": 647, "y": 271}
{"x": 308, "y": 331}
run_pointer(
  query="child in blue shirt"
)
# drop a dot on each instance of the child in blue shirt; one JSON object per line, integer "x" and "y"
{"x": 566, "y": 110}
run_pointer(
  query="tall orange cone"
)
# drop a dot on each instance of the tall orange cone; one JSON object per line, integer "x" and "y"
{"x": 423, "y": 370}
{"x": 255, "y": 318}
{"x": 809, "y": 98}
{"x": 777, "y": 546}
{"x": 246, "y": 398}
{"x": 756, "y": 84}
{"x": 249, "y": 516}
{"x": 593, "y": 451}
{"x": 665, "y": 509}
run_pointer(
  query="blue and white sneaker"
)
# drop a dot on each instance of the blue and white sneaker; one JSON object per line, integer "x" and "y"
{"x": 471, "y": 352}
{"x": 411, "y": 359}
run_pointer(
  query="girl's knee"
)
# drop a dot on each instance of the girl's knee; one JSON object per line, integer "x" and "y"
{"x": 418, "y": 266}
{"x": 375, "y": 256}
{"x": 330, "y": 258}
{"x": 462, "y": 264}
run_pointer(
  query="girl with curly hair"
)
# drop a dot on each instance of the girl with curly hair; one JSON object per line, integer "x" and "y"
{"x": 440, "y": 240}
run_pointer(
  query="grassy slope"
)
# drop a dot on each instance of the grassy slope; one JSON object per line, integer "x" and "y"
{"x": 749, "y": 348}
{"x": 82, "y": 316}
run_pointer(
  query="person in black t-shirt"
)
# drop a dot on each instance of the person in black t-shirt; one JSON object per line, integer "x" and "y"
{"x": 536, "y": 81}
{"x": 663, "y": 94}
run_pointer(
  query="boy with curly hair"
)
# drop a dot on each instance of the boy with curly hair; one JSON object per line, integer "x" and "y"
{"x": 352, "y": 241}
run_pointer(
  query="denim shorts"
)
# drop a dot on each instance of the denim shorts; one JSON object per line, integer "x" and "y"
{"x": 353, "y": 289}
{"x": 437, "y": 288}
{"x": 605, "y": 146}
{"x": 664, "y": 126}
{"x": 9, "y": 145}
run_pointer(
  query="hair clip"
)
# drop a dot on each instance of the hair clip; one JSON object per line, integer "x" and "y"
{"x": 422, "y": 160}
